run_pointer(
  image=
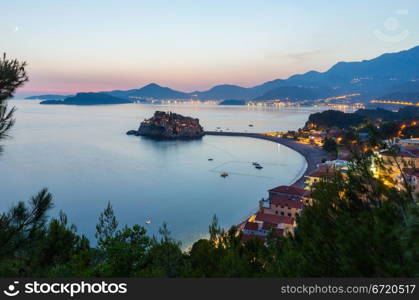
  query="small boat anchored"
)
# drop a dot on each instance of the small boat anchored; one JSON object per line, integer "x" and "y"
{"x": 148, "y": 222}
{"x": 210, "y": 159}
{"x": 257, "y": 165}
{"x": 224, "y": 174}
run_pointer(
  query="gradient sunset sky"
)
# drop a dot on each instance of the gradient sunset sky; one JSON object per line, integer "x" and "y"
{"x": 92, "y": 45}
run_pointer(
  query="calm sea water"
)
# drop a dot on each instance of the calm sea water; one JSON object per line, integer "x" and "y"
{"x": 85, "y": 159}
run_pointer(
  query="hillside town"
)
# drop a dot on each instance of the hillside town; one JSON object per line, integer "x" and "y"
{"x": 280, "y": 210}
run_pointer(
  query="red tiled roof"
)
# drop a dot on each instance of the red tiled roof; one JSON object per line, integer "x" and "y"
{"x": 323, "y": 171}
{"x": 286, "y": 201}
{"x": 267, "y": 225}
{"x": 290, "y": 190}
{"x": 251, "y": 226}
{"x": 275, "y": 219}
{"x": 247, "y": 237}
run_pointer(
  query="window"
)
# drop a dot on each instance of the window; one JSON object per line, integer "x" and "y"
{"x": 276, "y": 212}
{"x": 289, "y": 214}
{"x": 282, "y": 213}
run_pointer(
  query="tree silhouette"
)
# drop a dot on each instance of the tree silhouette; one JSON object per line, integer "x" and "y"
{"x": 12, "y": 76}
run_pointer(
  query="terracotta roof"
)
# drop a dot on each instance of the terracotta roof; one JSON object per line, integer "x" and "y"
{"x": 247, "y": 237}
{"x": 323, "y": 171}
{"x": 267, "y": 225}
{"x": 275, "y": 219}
{"x": 290, "y": 190}
{"x": 251, "y": 226}
{"x": 286, "y": 201}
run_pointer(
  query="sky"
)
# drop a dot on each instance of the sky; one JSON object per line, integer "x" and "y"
{"x": 95, "y": 45}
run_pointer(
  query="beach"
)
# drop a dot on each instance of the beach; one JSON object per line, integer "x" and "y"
{"x": 312, "y": 154}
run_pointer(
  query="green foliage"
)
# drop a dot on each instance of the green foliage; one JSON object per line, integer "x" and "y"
{"x": 22, "y": 223}
{"x": 106, "y": 228}
{"x": 334, "y": 118}
{"x": 123, "y": 253}
{"x": 12, "y": 76}
{"x": 164, "y": 258}
{"x": 389, "y": 129}
{"x": 330, "y": 145}
{"x": 355, "y": 227}
{"x": 411, "y": 131}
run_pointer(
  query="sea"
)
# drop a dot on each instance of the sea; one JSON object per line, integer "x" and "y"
{"x": 84, "y": 157}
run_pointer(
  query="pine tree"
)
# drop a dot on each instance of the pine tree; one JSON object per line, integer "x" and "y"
{"x": 12, "y": 76}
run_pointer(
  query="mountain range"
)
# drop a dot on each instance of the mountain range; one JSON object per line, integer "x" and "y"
{"x": 88, "y": 99}
{"x": 388, "y": 75}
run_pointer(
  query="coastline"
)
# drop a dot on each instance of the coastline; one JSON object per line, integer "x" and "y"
{"x": 312, "y": 154}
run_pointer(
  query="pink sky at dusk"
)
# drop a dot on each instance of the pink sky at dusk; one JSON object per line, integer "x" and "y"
{"x": 78, "y": 45}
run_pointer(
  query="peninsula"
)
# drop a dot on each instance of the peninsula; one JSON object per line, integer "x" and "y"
{"x": 88, "y": 99}
{"x": 169, "y": 126}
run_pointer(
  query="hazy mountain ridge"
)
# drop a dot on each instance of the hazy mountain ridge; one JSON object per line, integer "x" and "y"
{"x": 151, "y": 90}
{"x": 368, "y": 77}
{"x": 390, "y": 73}
{"x": 88, "y": 99}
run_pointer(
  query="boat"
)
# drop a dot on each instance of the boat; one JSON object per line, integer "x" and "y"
{"x": 210, "y": 159}
{"x": 255, "y": 163}
{"x": 250, "y": 125}
{"x": 224, "y": 174}
{"x": 258, "y": 167}
{"x": 148, "y": 222}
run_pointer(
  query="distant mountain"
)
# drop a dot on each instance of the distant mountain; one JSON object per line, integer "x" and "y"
{"x": 408, "y": 91}
{"x": 386, "y": 74}
{"x": 151, "y": 90}
{"x": 232, "y": 102}
{"x": 295, "y": 93}
{"x": 225, "y": 91}
{"x": 88, "y": 99}
{"x": 368, "y": 77}
{"x": 400, "y": 96}
{"x": 48, "y": 97}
